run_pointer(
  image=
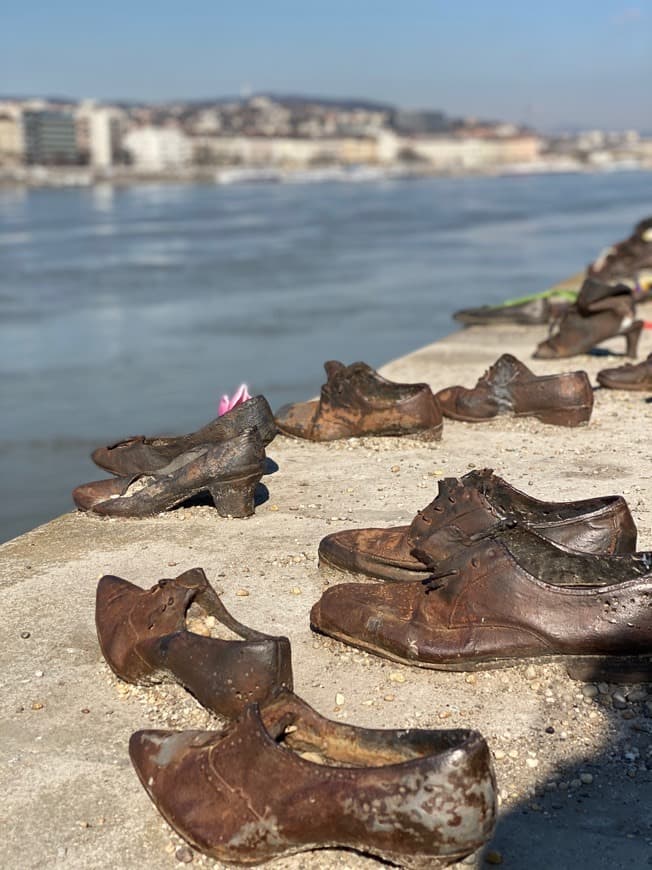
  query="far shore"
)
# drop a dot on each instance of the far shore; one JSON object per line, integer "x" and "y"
{"x": 82, "y": 176}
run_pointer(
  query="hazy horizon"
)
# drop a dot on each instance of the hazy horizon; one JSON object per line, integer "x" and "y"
{"x": 578, "y": 65}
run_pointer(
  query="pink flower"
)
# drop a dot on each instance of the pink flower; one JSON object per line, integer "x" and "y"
{"x": 241, "y": 395}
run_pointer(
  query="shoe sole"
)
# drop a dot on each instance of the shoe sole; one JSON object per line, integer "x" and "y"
{"x": 584, "y": 668}
{"x": 577, "y": 416}
{"x": 433, "y": 434}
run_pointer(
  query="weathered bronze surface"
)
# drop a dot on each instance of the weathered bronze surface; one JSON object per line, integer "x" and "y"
{"x": 144, "y": 639}
{"x": 141, "y": 455}
{"x": 356, "y": 400}
{"x": 283, "y": 779}
{"x": 509, "y": 387}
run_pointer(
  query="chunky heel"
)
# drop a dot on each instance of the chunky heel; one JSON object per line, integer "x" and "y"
{"x": 566, "y": 416}
{"x": 632, "y": 336}
{"x": 610, "y": 669}
{"x": 235, "y": 498}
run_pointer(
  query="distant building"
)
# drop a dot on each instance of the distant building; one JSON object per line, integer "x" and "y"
{"x": 283, "y": 151}
{"x": 154, "y": 149}
{"x": 11, "y": 139}
{"x": 454, "y": 153}
{"x": 49, "y": 138}
{"x": 99, "y": 130}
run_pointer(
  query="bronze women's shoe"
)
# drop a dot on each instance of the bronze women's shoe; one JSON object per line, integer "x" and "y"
{"x": 475, "y": 503}
{"x": 143, "y": 637}
{"x": 356, "y": 400}
{"x": 509, "y": 387}
{"x": 602, "y": 311}
{"x": 141, "y": 455}
{"x": 628, "y": 377}
{"x": 228, "y": 471}
{"x": 502, "y": 601}
{"x": 282, "y": 779}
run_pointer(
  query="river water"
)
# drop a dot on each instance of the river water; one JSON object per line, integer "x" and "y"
{"x": 132, "y": 310}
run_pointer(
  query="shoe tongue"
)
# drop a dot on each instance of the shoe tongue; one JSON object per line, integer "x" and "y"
{"x": 506, "y": 369}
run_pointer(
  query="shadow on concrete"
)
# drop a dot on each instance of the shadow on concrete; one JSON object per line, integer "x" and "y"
{"x": 592, "y": 813}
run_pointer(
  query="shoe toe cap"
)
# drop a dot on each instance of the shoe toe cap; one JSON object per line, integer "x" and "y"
{"x": 296, "y": 419}
{"x": 90, "y": 494}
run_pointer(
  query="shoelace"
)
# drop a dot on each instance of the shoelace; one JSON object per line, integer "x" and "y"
{"x": 432, "y": 581}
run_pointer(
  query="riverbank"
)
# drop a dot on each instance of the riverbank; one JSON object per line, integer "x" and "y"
{"x": 120, "y": 176}
{"x": 573, "y": 770}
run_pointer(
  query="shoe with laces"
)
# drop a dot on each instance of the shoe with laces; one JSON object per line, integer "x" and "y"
{"x": 476, "y": 502}
{"x": 355, "y": 401}
{"x": 500, "y": 600}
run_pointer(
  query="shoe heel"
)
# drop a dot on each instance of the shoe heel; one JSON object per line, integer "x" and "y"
{"x": 610, "y": 669}
{"x": 632, "y": 336}
{"x": 235, "y": 498}
{"x": 566, "y": 416}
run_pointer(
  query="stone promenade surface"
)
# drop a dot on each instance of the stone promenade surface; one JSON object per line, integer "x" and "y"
{"x": 574, "y": 767}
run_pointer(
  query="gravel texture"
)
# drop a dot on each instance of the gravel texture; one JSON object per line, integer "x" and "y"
{"x": 573, "y": 761}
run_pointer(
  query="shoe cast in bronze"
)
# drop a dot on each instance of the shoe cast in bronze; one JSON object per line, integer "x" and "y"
{"x": 602, "y": 311}
{"x": 229, "y": 472}
{"x": 628, "y": 377}
{"x": 356, "y": 401}
{"x": 501, "y": 601}
{"x": 144, "y": 639}
{"x": 626, "y": 260}
{"x": 141, "y": 455}
{"x": 282, "y": 779}
{"x": 509, "y": 387}
{"x": 474, "y": 503}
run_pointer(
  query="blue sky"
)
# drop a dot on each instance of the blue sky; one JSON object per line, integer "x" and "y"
{"x": 581, "y": 62}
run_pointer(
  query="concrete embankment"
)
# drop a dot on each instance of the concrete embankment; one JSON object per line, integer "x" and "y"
{"x": 572, "y": 765}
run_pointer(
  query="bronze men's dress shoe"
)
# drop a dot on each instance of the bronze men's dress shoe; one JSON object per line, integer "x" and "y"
{"x": 509, "y": 387}
{"x": 501, "y": 601}
{"x": 229, "y": 471}
{"x": 474, "y": 503}
{"x": 628, "y": 377}
{"x": 141, "y": 455}
{"x": 143, "y": 637}
{"x": 355, "y": 401}
{"x": 421, "y": 799}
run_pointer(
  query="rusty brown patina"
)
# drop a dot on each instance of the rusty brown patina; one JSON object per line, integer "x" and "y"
{"x": 477, "y": 502}
{"x": 283, "y": 779}
{"x": 144, "y": 639}
{"x": 500, "y": 600}
{"x": 228, "y": 471}
{"x": 355, "y": 401}
{"x": 142, "y": 455}
{"x": 509, "y": 387}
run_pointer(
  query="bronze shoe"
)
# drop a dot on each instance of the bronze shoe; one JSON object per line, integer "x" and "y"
{"x": 143, "y": 637}
{"x": 509, "y": 387}
{"x": 502, "y": 601}
{"x": 282, "y": 779}
{"x": 626, "y": 259}
{"x": 602, "y": 311}
{"x": 229, "y": 471}
{"x": 141, "y": 455}
{"x": 628, "y": 377}
{"x": 355, "y": 401}
{"x": 476, "y": 503}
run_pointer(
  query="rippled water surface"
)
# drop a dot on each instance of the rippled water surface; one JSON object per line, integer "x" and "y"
{"x": 131, "y": 310}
